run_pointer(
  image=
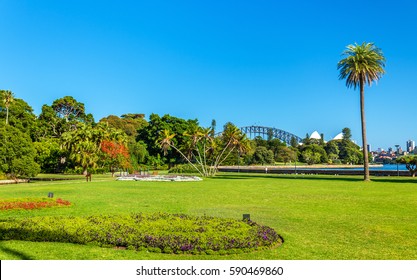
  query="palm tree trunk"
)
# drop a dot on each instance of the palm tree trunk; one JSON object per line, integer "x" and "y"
{"x": 364, "y": 141}
{"x": 7, "y": 115}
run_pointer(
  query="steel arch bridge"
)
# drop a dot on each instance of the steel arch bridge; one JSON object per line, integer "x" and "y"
{"x": 266, "y": 131}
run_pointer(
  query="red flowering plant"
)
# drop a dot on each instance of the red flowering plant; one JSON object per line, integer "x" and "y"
{"x": 32, "y": 203}
{"x": 115, "y": 155}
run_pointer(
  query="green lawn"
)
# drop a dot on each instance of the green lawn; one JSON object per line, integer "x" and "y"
{"x": 319, "y": 217}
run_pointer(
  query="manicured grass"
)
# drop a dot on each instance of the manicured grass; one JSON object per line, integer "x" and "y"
{"x": 319, "y": 217}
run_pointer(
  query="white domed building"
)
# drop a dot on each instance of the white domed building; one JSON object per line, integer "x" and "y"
{"x": 315, "y": 135}
{"x": 338, "y": 136}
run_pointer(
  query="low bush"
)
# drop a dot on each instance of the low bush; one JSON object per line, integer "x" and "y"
{"x": 80, "y": 171}
{"x": 32, "y": 203}
{"x": 161, "y": 232}
{"x": 183, "y": 169}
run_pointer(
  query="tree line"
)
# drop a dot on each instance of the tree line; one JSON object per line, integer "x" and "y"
{"x": 64, "y": 138}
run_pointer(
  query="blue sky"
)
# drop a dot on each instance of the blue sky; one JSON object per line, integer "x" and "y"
{"x": 270, "y": 63}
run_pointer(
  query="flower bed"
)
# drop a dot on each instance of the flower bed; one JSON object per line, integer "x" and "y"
{"x": 32, "y": 203}
{"x": 160, "y": 178}
{"x": 160, "y": 232}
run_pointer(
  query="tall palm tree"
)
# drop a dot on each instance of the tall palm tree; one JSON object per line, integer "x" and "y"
{"x": 363, "y": 64}
{"x": 8, "y": 98}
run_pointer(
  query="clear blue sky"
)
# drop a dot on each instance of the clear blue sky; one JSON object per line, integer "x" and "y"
{"x": 270, "y": 63}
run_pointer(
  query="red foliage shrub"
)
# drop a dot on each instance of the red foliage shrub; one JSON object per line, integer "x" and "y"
{"x": 116, "y": 153}
{"x": 31, "y": 203}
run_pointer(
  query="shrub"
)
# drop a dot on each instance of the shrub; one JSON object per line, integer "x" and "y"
{"x": 80, "y": 171}
{"x": 183, "y": 169}
{"x": 160, "y": 232}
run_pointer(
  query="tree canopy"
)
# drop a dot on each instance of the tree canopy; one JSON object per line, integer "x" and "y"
{"x": 410, "y": 162}
{"x": 63, "y": 138}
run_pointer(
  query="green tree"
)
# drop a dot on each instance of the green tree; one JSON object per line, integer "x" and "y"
{"x": 286, "y": 154}
{"x": 332, "y": 151}
{"x": 83, "y": 144}
{"x": 20, "y": 115}
{"x": 49, "y": 124}
{"x": 314, "y": 153}
{"x": 347, "y": 134}
{"x": 213, "y": 127}
{"x": 231, "y": 139}
{"x": 263, "y": 156}
{"x": 293, "y": 142}
{"x": 203, "y": 152}
{"x": 129, "y": 123}
{"x": 363, "y": 64}
{"x": 64, "y": 115}
{"x": 275, "y": 145}
{"x": 17, "y": 153}
{"x": 260, "y": 141}
{"x": 48, "y": 155}
{"x": 410, "y": 162}
{"x": 138, "y": 153}
{"x": 69, "y": 109}
{"x": 165, "y": 142}
{"x": 270, "y": 134}
{"x": 310, "y": 157}
{"x": 151, "y": 133}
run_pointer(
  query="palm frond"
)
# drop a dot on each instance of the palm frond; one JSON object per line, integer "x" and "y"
{"x": 363, "y": 62}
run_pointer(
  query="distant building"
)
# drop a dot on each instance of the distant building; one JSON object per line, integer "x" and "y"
{"x": 315, "y": 135}
{"x": 338, "y": 136}
{"x": 399, "y": 150}
{"x": 369, "y": 149}
{"x": 411, "y": 145}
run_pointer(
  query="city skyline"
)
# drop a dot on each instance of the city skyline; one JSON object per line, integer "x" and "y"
{"x": 317, "y": 135}
{"x": 251, "y": 63}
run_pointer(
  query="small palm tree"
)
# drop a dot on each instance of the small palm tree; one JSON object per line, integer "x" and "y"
{"x": 165, "y": 143}
{"x": 363, "y": 64}
{"x": 8, "y": 98}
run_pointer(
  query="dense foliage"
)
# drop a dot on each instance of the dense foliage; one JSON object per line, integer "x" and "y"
{"x": 17, "y": 153}
{"x": 65, "y": 138}
{"x": 410, "y": 162}
{"x": 167, "y": 233}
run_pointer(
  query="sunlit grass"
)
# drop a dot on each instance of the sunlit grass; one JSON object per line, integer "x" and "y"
{"x": 319, "y": 217}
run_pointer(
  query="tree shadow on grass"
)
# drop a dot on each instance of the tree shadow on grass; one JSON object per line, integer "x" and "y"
{"x": 322, "y": 178}
{"x": 346, "y": 178}
{"x": 17, "y": 254}
{"x": 235, "y": 176}
{"x": 393, "y": 180}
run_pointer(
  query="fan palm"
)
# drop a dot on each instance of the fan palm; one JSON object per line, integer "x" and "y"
{"x": 165, "y": 143}
{"x": 363, "y": 64}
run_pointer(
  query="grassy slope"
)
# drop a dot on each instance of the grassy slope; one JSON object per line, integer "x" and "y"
{"x": 320, "y": 217}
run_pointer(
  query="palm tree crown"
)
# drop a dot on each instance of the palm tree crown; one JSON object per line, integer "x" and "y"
{"x": 363, "y": 62}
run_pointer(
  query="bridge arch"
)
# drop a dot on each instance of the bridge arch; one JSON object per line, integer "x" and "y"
{"x": 265, "y": 131}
